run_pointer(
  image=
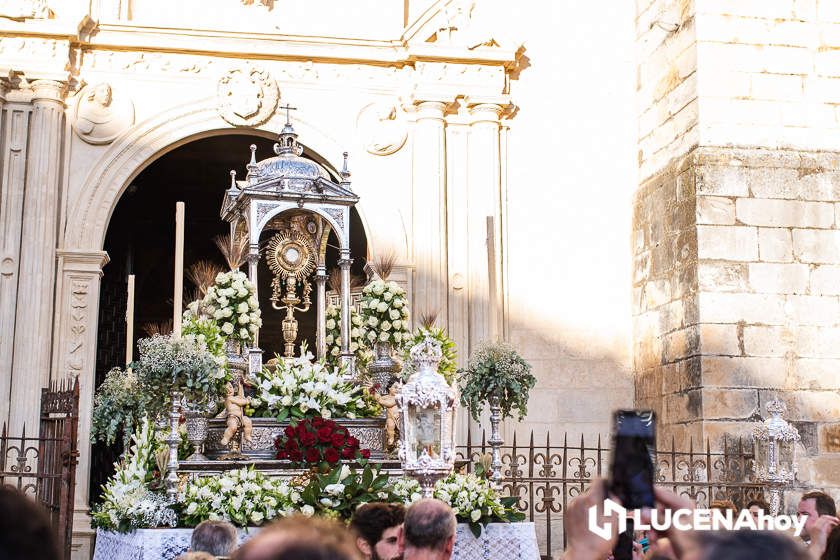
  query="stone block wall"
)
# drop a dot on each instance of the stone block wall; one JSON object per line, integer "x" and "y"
{"x": 736, "y": 300}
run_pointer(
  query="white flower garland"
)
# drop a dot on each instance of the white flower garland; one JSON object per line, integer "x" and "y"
{"x": 232, "y": 303}
{"x": 470, "y": 497}
{"x": 244, "y": 497}
{"x": 299, "y": 388}
{"x": 384, "y": 313}
{"x": 127, "y": 502}
{"x": 332, "y": 338}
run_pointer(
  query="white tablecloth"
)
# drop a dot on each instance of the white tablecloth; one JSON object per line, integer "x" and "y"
{"x": 498, "y": 541}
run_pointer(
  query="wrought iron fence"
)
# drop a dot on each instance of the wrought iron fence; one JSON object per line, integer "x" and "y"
{"x": 545, "y": 475}
{"x": 44, "y": 467}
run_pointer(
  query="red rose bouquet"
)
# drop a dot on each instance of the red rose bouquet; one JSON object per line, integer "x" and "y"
{"x": 318, "y": 442}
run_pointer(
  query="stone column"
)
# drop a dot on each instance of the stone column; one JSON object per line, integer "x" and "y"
{"x": 344, "y": 263}
{"x": 33, "y": 323}
{"x": 484, "y": 219}
{"x": 13, "y": 164}
{"x": 76, "y": 317}
{"x": 429, "y": 209}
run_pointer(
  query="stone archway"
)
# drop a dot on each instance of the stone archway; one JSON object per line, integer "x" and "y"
{"x": 81, "y": 256}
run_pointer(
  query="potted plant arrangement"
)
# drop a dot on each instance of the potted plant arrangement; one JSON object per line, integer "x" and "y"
{"x": 385, "y": 326}
{"x": 498, "y": 377}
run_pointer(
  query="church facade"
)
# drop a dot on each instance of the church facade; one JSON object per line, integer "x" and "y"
{"x": 643, "y": 199}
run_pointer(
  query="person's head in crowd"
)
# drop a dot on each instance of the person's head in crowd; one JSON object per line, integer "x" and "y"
{"x": 196, "y": 556}
{"x": 755, "y": 507}
{"x": 745, "y": 545}
{"x": 377, "y": 526}
{"x": 428, "y": 532}
{"x": 812, "y": 505}
{"x": 832, "y": 545}
{"x": 723, "y": 505}
{"x": 301, "y": 538}
{"x": 217, "y": 538}
{"x": 25, "y": 531}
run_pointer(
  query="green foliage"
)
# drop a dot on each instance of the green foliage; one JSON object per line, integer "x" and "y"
{"x": 448, "y": 366}
{"x": 117, "y": 407}
{"x": 497, "y": 370}
{"x": 338, "y": 493}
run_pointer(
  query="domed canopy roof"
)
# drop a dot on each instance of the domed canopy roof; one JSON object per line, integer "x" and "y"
{"x": 288, "y": 170}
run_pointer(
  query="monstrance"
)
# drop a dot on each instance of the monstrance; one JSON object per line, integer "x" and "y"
{"x": 297, "y": 199}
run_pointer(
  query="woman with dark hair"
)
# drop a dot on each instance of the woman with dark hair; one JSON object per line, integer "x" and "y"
{"x": 25, "y": 531}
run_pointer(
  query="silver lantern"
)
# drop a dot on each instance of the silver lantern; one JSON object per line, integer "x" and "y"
{"x": 775, "y": 453}
{"x": 427, "y": 406}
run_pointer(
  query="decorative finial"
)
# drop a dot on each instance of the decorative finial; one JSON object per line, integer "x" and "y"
{"x": 253, "y": 149}
{"x": 426, "y": 355}
{"x": 233, "y": 179}
{"x": 345, "y": 170}
{"x": 776, "y": 407}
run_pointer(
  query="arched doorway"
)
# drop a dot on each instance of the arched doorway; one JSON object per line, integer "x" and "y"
{"x": 140, "y": 241}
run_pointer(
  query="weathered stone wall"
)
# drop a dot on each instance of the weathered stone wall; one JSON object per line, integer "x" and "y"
{"x": 736, "y": 240}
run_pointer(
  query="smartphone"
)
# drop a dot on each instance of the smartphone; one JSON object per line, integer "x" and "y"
{"x": 631, "y": 473}
{"x": 624, "y": 546}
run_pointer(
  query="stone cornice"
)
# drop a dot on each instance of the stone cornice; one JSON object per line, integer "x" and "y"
{"x": 273, "y": 46}
{"x": 82, "y": 261}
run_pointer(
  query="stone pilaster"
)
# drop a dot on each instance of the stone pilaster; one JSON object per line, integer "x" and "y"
{"x": 13, "y": 145}
{"x": 429, "y": 209}
{"x": 77, "y": 304}
{"x": 33, "y": 323}
{"x": 484, "y": 220}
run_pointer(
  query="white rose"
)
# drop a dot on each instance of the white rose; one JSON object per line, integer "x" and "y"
{"x": 243, "y": 333}
{"x": 242, "y": 307}
{"x": 354, "y": 346}
{"x": 192, "y": 508}
{"x": 354, "y": 333}
{"x": 383, "y": 336}
{"x": 371, "y": 336}
{"x": 218, "y": 314}
{"x": 326, "y": 413}
{"x": 386, "y": 326}
{"x": 330, "y": 324}
{"x": 242, "y": 292}
{"x": 334, "y": 489}
{"x": 286, "y": 401}
{"x": 227, "y": 312}
{"x": 394, "y": 314}
{"x": 335, "y": 351}
{"x": 397, "y": 324}
{"x": 227, "y": 328}
{"x": 328, "y": 339}
{"x": 387, "y": 296}
{"x": 373, "y": 303}
{"x": 257, "y": 517}
{"x": 398, "y": 336}
{"x": 378, "y": 288}
{"x": 373, "y": 321}
{"x": 243, "y": 319}
{"x": 382, "y": 307}
{"x": 356, "y": 319}
{"x": 475, "y": 515}
{"x": 223, "y": 301}
{"x": 307, "y": 510}
{"x": 397, "y": 303}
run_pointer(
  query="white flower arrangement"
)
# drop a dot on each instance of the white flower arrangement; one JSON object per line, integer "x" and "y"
{"x": 472, "y": 499}
{"x": 127, "y": 502}
{"x": 232, "y": 303}
{"x": 384, "y": 314}
{"x": 244, "y": 497}
{"x": 300, "y": 388}
{"x": 332, "y": 338}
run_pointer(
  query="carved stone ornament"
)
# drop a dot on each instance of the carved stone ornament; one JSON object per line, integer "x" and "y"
{"x": 101, "y": 114}
{"x": 247, "y": 96}
{"x": 24, "y": 9}
{"x": 381, "y": 128}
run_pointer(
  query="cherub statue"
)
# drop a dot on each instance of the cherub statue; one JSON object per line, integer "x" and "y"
{"x": 235, "y": 413}
{"x": 392, "y": 414}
